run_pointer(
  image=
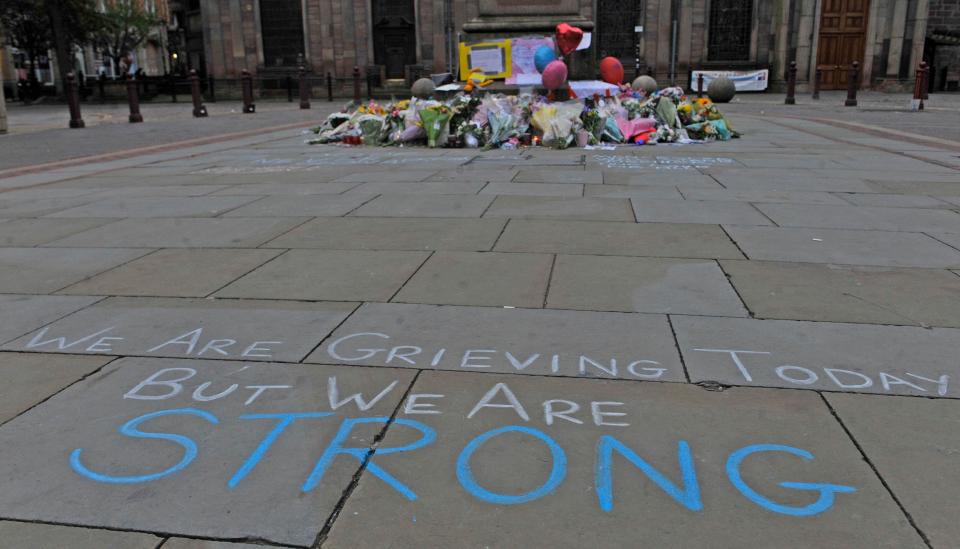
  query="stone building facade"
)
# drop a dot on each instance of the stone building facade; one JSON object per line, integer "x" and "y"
{"x": 666, "y": 38}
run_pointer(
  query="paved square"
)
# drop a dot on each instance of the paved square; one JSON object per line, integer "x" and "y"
{"x": 399, "y": 205}
{"x": 502, "y": 464}
{"x": 20, "y": 314}
{"x": 594, "y": 209}
{"x": 467, "y": 278}
{"x": 393, "y": 234}
{"x": 44, "y": 270}
{"x": 523, "y": 341}
{"x": 200, "y": 328}
{"x": 198, "y": 206}
{"x": 182, "y": 233}
{"x": 219, "y": 490}
{"x": 643, "y": 285}
{"x": 896, "y": 360}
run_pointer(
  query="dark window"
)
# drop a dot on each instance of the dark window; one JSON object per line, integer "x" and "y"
{"x": 616, "y": 22}
{"x": 281, "y": 25}
{"x": 729, "y": 33}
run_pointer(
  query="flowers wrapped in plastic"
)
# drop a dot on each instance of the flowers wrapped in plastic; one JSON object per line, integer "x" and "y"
{"x": 436, "y": 123}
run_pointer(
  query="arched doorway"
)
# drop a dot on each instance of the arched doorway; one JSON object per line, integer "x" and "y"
{"x": 394, "y": 35}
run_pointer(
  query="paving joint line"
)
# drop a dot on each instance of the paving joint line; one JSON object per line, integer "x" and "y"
{"x": 262, "y": 245}
{"x": 734, "y": 242}
{"x": 282, "y": 252}
{"x": 228, "y": 210}
{"x": 546, "y": 290}
{"x": 767, "y": 217}
{"x": 98, "y": 273}
{"x": 413, "y": 274}
{"x": 734, "y": 287}
{"x": 503, "y": 229}
{"x": 355, "y": 481}
{"x": 876, "y": 471}
{"x": 676, "y": 344}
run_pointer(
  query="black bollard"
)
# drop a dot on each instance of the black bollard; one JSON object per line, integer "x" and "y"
{"x": 199, "y": 111}
{"x": 700, "y": 84}
{"x": 329, "y": 86}
{"x": 791, "y": 84}
{"x": 816, "y": 84}
{"x": 304, "y": 88}
{"x": 356, "y": 84}
{"x": 101, "y": 87}
{"x": 73, "y": 101}
{"x": 213, "y": 90}
{"x": 246, "y": 85}
{"x": 133, "y": 99}
{"x": 289, "y": 83}
{"x": 918, "y": 84}
{"x": 852, "y": 77}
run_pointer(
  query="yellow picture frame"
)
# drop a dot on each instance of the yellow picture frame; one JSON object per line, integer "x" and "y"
{"x": 471, "y": 53}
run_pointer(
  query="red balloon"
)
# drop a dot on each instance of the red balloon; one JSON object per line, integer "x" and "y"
{"x": 568, "y": 38}
{"x": 554, "y": 75}
{"x": 611, "y": 70}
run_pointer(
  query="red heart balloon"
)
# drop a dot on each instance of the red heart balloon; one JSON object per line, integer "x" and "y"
{"x": 568, "y": 38}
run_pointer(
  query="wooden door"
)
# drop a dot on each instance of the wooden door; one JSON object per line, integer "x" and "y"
{"x": 843, "y": 33}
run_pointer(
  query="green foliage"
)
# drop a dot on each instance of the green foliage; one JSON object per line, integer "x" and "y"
{"x": 122, "y": 27}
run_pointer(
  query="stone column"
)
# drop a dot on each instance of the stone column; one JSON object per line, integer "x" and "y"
{"x": 899, "y": 21}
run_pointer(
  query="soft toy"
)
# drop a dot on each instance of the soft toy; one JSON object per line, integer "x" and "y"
{"x": 476, "y": 77}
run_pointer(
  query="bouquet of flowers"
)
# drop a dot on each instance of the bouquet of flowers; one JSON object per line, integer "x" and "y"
{"x": 436, "y": 123}
{"x": 593, "y": 123}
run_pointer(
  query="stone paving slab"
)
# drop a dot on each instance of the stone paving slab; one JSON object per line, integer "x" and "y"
{"x": 696, "y": 211}
{"x": 589, "y": 209}
{"x": 643, "y": 285}
{"x": 182, "y": 233}
{"x": 899, "y": 360}
{"x": 503, "y": 480}
{"x": 45, "y": 270}
{"x": 792, "y": 197}
{"x": 329, "y": 275}
{"x": 370, "y": 233}
{"x": 158, "y": 190}
{"x": 29, "y": 378}
{"x": 20, "y": 314}
{"x": 913, "y": 444}
{"x": 688, "y": 179}
{"x": 488, "y": 339}
{"x": 474, "y": 173}
{"x": 910, "y": 185}
{"x": 424, "y": 187}
{"x": 284, "y": 188}
{"x": 398, "y": 205}
{"x": 837, "y": 293}
{"x": 573, "y": 175}
{"x": 187, "y": 543}
{"x": 744, "y": 180}
{"x": 190, "y": 328}
{"x": 953, "y": 200}
{"x": 223, "y": 434}
{"x": 385, "y": 176}
{"x": 302, "y": 206}
{"x": 34, "y": 232}
{"x": 896, "y": 200}
{"x": 884, "y": 249}
{"x": 862, "y": 217}
{"x": 23, "y": 535}
{"x": 627, "y": 239}
{"x": 174, "y": 273}
{"x": 39, "y": 206}
{"x": 632, "y": 191}
{"x": 195, "y": 206}
{"x": 533, "y": 189}
{"x": 950, "y": 239}
{"x": 487, "y": 279}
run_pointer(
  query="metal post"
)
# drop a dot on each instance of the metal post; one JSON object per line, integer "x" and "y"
{"x": 925, "y": 90}
{"x": 329, "y": 86}
{"x": 791, "y": 84}
{"x": 199, "y": 111}
{"x": 852, "y": 78}
{"x": 3, "y": 110}
{"x": 289, "y": 82}
{"x": 816, "y": 84}
{"x": 133, "y": 99}
{"x": 101, "y": 87}
{"x": 699, "y": 84}
{"x": 73, "y": 101}
{"x": 918, "y": 86}
{"x": 356, "y": 84}
{"x": 246, "y": 85}
{"x": 304, "y": 88}
{"x": 213, "y": 90}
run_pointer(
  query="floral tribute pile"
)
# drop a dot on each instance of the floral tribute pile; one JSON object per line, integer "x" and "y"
{"x": 509, "y": 121}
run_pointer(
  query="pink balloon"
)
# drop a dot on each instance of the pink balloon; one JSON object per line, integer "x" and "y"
{"x": 554, "y": 75}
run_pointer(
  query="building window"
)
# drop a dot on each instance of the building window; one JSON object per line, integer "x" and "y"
{"x": 616, "y": 27}
{"x": 281, "y": 26}
{"x": 729, "y": 34}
